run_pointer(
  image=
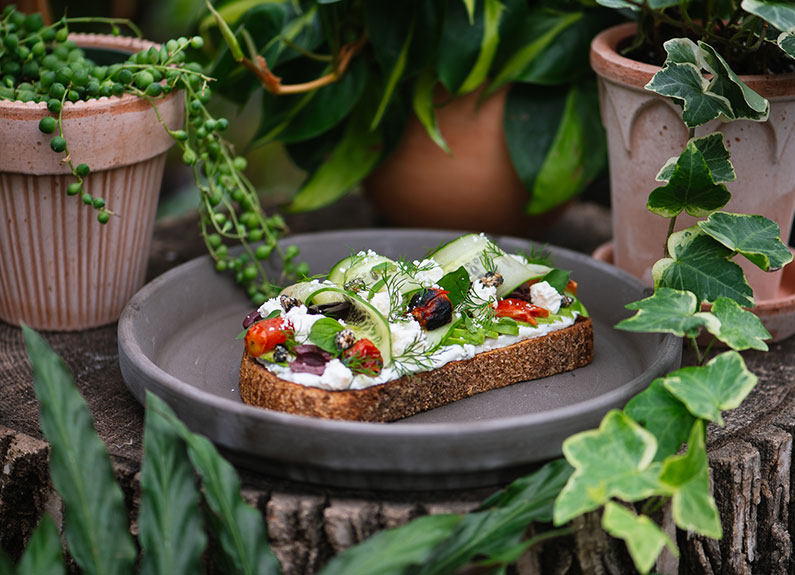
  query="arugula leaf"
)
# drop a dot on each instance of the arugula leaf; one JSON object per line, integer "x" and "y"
{"x": 715, "y": 153}
{"x": 643, "y": 538}
{"x": 755, "y": 237}
{"x": 617, "y": 460}
{"x": 457, "y": 283}
{"x": 739, "y": 328}
{"x": 663, "y": 415}
{"x": 721, "y": 384}
{"x": 558, "y": 279}
{"x": 668, "y": 311}
{"x": 687, "y": 476}
{"x": 323, "y": 332}
{"x": 691, "y": 188}
{"x": 701, "y": 265}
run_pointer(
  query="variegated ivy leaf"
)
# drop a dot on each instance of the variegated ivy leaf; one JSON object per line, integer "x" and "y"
{"x": 779, "y": 13}
{"x": 707, "y": 390}
{"x": 786, "y": 42}
{"x": 691, "y": 188}
{"x": 738, "y": 328}
{"x": 702, "y": 99}
{"x": 701, "y": 265}
{"x": 669, "y": 311}
{"x": 687, "y": 476}
{"x": 643, "y": 538}
{"x": 663, "y": 415}
{"x": 715, "y": 153}
{"x": 616, "y": 460}
{"x": 654, "y": 4}
{"x": 755, "y": 237}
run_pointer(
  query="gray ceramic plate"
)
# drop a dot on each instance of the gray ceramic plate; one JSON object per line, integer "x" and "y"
{"x": 177, "y": 338}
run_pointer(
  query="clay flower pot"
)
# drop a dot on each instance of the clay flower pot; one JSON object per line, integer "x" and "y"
{"x": 474, "y": 188}
{"x": 645, "y": 129}
{"x": 60, "y": 269}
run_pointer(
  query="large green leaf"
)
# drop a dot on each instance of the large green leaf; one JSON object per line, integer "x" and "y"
{"x": 353, "y": 158}
{"x": 501, "y": 521}
{"x": 169, "y": 524}
{"x": 786, "y": 42}
{"x": 655, "y": 4}
{"x": 493, "y": 9}
{"x": 780, "y": 13}
{"x": 684, "y": 83}
{"x": 643, "y": 538}
{"x": 755, "y": 237}
{"x": 422, "y": 102}
{"x": 701, "y": 265}
{"x": 707, "y": 390}
{"x": 668, "y": 311}
{"x": 43, "y": 553}
{"x": 617, "y": 460}
{"x": 392, "y": 551}
{"x": 239, "y": 528}
{"x": 739, "y": 328}
{"x": 95, "y": 517}
{"x": 663, "y": 415}
{"x": 691, "y": 188}
{"x": 687, "y": 476}
{"x": 746, "y": 104}
{"x": 716, "y": 155}
{"x": 460, "y": 44}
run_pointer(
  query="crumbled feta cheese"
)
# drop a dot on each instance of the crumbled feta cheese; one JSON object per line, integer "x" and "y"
{"x": 269, "y": 307}
{"x": 302, "y": 322}
{"x": 428, "y": 272}
{"x": 404, "y": 334}
{"x": 483, "y": 292}
{"x": 336, "y": 375}
{"x": 544, "y": 295}
{"x": 381, "y": 302}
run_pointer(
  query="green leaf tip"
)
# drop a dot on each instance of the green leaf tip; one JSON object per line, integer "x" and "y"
{"x": 643, "y": 537}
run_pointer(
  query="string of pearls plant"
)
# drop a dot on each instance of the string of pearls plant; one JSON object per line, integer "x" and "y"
{"x": 38, "y": 63}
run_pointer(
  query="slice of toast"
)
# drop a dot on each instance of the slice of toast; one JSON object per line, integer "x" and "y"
{"x": 556, "y": 352}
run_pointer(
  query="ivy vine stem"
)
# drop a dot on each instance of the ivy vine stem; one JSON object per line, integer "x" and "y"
{"x": 671, "y": 225}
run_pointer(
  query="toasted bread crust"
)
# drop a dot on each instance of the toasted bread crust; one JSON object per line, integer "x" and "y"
{"x": 553, "y": 353}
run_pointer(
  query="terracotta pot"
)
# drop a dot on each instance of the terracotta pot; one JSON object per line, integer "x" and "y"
{"x": 645, "y": 129}
{"x": 475, "y": 188}
{"x": 60, "y": 269}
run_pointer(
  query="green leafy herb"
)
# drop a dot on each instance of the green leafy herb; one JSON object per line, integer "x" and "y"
{"x": 558, "y": 279}
{"x": 323, "y": 332}
{"x": 456, "y": 283}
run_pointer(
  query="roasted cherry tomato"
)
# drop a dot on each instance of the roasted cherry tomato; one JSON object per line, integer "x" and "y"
{"x": 571, "y": 287}
{"x": 363, "y": 357}
{"x": 520, "y": 310}
{"x": 264, "y": 335}
{"x": 431, "y": 308}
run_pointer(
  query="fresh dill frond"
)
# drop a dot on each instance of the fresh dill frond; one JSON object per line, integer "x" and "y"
{"x": 413, "y": 359}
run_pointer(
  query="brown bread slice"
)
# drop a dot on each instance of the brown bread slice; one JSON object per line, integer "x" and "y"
{"x": 553, "y": 353}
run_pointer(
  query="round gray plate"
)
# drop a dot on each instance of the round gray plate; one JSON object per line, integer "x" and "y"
{"x": 177, "y": 338}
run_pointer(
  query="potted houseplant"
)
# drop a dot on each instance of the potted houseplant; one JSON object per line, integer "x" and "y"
{"x": 454, "y": 114}
{"x": 753, "y": 39}
{"x": 98, "y": 131}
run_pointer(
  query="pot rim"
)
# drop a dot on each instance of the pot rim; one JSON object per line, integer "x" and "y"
{"x": 14, "y": 109}
{"x": 609, "y": 64}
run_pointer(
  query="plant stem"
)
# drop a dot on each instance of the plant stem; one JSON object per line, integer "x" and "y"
{"x": 112, "y": 21}
{"x": 707, "y": 350}
{"x": 671, "y": 225}
{"x": 694, "y": 344}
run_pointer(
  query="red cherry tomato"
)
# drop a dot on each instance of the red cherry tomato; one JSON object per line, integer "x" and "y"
{"x": 363, "y": 357}
{"x": 571, "y": 287}
{"x": 521, "y": 310}
{"x": 264, "y": 335}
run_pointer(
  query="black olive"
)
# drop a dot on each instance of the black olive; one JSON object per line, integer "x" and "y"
{"x": 337, "y": 310}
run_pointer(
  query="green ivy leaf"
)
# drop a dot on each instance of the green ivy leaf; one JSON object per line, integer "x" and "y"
{"x": 323, "y": 332}
{"x": 780, "y": 13}
{"x": 786, "y": 42}
{"x": 643, "y": 538}
{"x": 43, "y": 553}
{"x": 96, "y": 520}
{"x": 739, "y": 328}
{"x": 755, "y": 237}
{"x": 501, "y": 521}
{"x": 422, "y": 102}
{"x": 701, "y": 265}
{"x": 691, "y": 188}
{"x": 170, "y": 525}
{"x": 617, "y": 460}
{"x": 687, "y": 476}
{"x": 721, "y": 384}
{"x": 746, "y": 104}
{"x": 239, "y": 528}
{"x": 663, "y": 415}
{"x": 716, "y": 155}
{"x": 668, "y": 311}
{"x": 392, "y": 551}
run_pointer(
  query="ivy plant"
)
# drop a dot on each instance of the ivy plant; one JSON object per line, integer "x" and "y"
{"x": 339, "y": 80}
